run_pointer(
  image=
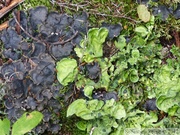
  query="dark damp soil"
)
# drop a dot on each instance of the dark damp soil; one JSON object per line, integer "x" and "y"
{"x": 175, "y": 40}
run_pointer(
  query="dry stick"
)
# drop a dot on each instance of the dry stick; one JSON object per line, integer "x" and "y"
{"x": 24, "y": 29}
{"x": 63, "y": 42}
{"x": 177, "y": 38}
{"x": 13, "y": 4}
{"x": 18, "y": 19}
{"x": 66, "y": 5}
{"x": 118, "y": 16}
{"x": 75, "y": 5}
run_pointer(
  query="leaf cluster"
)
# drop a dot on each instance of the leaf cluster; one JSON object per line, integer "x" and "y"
{"x": 23, "y": 125}
{"x": 134, "y": 73}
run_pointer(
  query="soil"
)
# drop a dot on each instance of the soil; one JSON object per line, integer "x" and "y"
{"x": 169, "y": 42}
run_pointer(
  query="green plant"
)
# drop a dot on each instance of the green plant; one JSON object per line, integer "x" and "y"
{"x": 137, "y": 71}
{"x": 134, "y": 72}
{"x": 168, "y": 89}
{"x": 102, "y": 115}
{"x": 24, "y": 124}
{"x": 92, "y": 47}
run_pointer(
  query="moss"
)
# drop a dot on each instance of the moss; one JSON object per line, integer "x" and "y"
{"x": 33, "y": 3}
{"x": 69, "y": 125}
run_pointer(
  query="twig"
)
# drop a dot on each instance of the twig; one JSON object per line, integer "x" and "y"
{"x": 18, "y": 19}
{"x": 24, "y": 29}
{"x": 94, "y": 12}
{"x": 177, "y": 39}
{"x": 12, "y": 5}
{"x": 63, "y": 42}
{"x": 74, "y": 5}
{"x": 92, "y": 129}
{"x": 118, "y": 16}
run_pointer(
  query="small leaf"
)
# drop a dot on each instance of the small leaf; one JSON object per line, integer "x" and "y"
{"x": 26, "y": 123}
{"x": 172, "y": 111}
{"x": 142, "y": 31}
{"x": 4, "y": 126}
{"x": 66, "y": 70}
{"x": 115, "y": 124}
{"x": 135, "y": 53}
{"x": 92, "y": 104}
{"x": 86, "y": 115}
{"x": 92, "y": 47}
{"x": 164, "y": 103}
{"x": 77, "y": 107}
{"x": 88, "y": 91}
{"x": 143, "y": 13}
{"x": 132, "y": 61}
{"x": 79, "y": 52}
{"x": 81, "y": 125}
{"x": 121, "y": 43}
{"x": 134, "y": 76}
{"x": 119, "y": 111}
{"x": 109, "y": 104}
{"x": 102, "y": 34}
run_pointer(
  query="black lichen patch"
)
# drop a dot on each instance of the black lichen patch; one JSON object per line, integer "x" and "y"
{"x": 162, "y": 11}
{"x": 44, "y": 37}
{"x": 150, "y": 105}
{"x": 102, "y": 94}
{"x": 42, "y": 72}
{"x": 93, "y": 70}
{"x": 114, "y": 30}
{"x": 177, "y": 12}
{"x": 37, "y": 16}
{"x": 61, "y": 51}
{"x": 13, "y": 71}
{"x": 10, "y": 39}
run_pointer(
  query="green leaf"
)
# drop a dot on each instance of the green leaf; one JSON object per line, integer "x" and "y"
{"x": 92, "y": 111}
{"x": 86, "y": 115}
{"x": 4, "y": 126}
{"x": 96, "y": 38}
{"x": 109, "y": 104}
{"x": 132, "y": 61}
{"x": 79, "y": 52}
{"x": 119, "y": 131}
{"x": 164, "y": 103}
{"x": 82, "y": 125}
{"x": 66, "y": 70}
{"x": 88, "y": 91}
{"x": 77, "y": 107}
{"x": 26, "y": 123}
{"x": 172, "y": 111}
{"x": 142, "y": 31}
{"x": 115, "y": 124}
{"x": 119, "y": 111}
{"x": 92, "y": 47}
{"x": 121, "y": 43}
{"x": 135, "y": 53}
{"x": 134, "y": 76}
{"x": 94, "y": 105}
{"x": 97, "y": 35}
{"x": 104, "y": 78}
{"x": 150, "y": 119}
{"x": 143, "y": 13}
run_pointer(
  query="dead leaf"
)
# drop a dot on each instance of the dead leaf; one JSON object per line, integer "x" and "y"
{"x": 12, "y": 5}
{"x": 143, "y": 13}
